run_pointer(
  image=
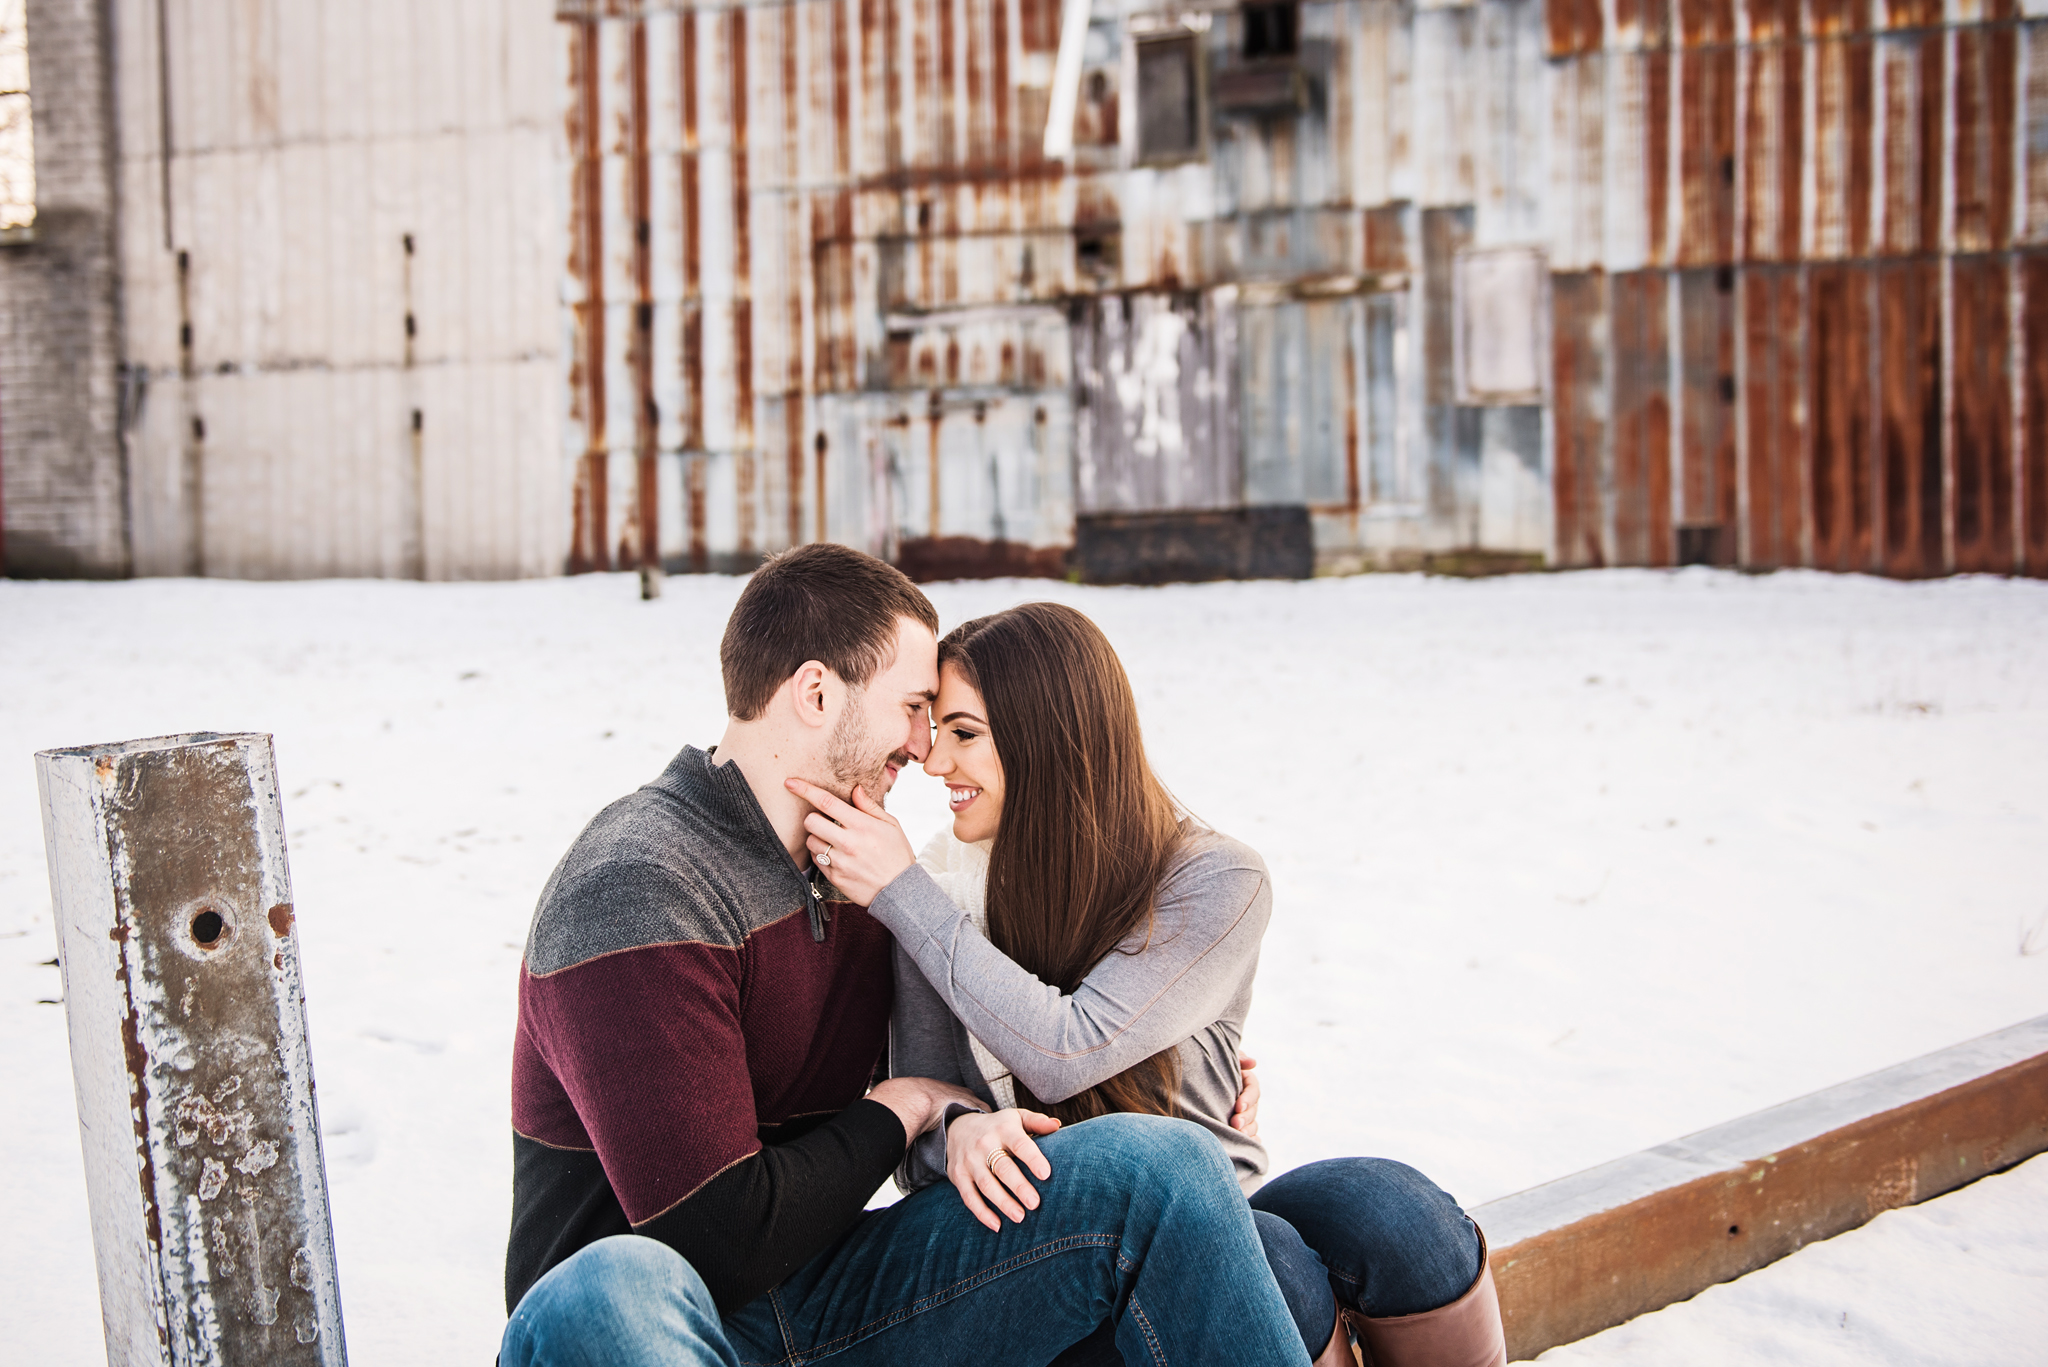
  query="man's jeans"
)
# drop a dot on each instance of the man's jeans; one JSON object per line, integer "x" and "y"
{"x": 1141, "y": 1225}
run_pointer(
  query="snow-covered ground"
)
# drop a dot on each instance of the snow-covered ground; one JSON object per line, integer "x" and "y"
{"x": 1961, "y": 1281}
{"x": 1566, "y": 865}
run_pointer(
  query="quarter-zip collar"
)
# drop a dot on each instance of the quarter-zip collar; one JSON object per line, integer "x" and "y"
{"x": 722, "y": 794}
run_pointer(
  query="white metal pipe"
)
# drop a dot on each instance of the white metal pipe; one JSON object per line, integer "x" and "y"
{"x": 1066, "y": 80}
{"x": 176, "y": 936}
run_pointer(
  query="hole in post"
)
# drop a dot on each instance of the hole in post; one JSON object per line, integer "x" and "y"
{"x": 1734, "y": 1230}
{"x": 208, "y": 929}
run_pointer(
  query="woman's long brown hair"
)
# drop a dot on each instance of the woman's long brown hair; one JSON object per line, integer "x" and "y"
{"x": 1087, "y": 829}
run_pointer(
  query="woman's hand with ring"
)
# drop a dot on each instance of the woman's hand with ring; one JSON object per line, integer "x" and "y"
{"x": 859, "y": 842}
{"x": 987, "y": 1157}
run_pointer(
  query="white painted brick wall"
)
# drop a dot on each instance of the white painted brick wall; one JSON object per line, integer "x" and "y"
{"x": 60, "y": 456}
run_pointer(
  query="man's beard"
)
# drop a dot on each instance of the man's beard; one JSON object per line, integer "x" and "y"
{"x": 851, "y": 760}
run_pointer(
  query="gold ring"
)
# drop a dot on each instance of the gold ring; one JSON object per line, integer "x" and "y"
{"x": 997, "y": 1155}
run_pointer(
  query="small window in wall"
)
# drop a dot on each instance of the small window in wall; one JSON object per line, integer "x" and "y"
{"x": 17, "y": 136}
{"x": 1271, "y": 31}
{"x": 1169, "y": 99}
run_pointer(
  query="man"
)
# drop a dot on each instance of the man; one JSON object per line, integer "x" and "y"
{"x": 695, "y": 1133}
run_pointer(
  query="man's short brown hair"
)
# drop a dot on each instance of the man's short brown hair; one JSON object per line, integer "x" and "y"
{"x": 819, "y": 602}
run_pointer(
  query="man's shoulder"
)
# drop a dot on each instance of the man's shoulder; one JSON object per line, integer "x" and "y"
{"x": 644, "y": 872}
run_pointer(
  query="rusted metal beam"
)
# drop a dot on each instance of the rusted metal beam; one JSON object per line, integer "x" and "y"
{"x": 189, "y": 1054}
{"x": 1596, "y": 1249}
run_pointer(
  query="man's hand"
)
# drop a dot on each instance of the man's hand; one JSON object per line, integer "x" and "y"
{"x": 1244, "y": 1117}
{"x": 970, "y": 1142}
{"x": 859, "y": 846}
{"x": 920, "y": 1101}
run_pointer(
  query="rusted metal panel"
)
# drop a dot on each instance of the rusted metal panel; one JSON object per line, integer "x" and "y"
{"x": 1770, "y": 21}
{"x": 2033, "y": 132}
{"x": 1642, "y": 24}
{"x": 1828, "y": 18}
{"x": 1578, "y": 417}
{"x": 1910, "y": 425}
{"x": 1596, "y": 1249}
{"x": 1705, "y": 23}
{"x": 1707, "y": 417}
{"x": 1911, "y": 96}
{"x": 1843, "y": 389}
{"x": 1641, "y": 437}
{"x": 1388, "y": 386}
{"x": 1659, "y": 68}
{"x": 1774, "y": 417}
{"x": 1158, "y": 424}
{"x": 1578, "y": 155}
{"x": 1843, "y": 142}
{"x": 1773, "y": 151}
{"x": 1909, "y": 13}
{"x": 1707, "y": 153}
{"x": 1289, "y": 349}
{"x": 1572, "y": 27}
{"x": 1986, "y": 77}
{"x": 1981, "y": 463}
{"x": 2032, "y": 493}
{"x": 187, "y": 1019}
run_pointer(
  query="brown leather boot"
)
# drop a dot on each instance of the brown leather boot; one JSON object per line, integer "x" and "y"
{"x": 1465, "y": 1333}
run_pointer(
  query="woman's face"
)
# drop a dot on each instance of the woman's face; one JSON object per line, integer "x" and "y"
{"x": 964, "y": 756}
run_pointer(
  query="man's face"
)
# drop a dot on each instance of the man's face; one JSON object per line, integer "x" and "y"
{"x": 887, "y": 724}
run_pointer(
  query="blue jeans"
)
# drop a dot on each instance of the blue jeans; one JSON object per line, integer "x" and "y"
{"x": 1369, "y": 1234}
{"x": 1141, "y": 1225}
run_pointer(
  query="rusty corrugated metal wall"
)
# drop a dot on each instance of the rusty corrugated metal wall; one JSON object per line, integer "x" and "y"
{"x": 823, "y": 280}
{"x": 1801, "y": 294}
{"x": 1597, "y": 281}
{"x": 815, "y": 270}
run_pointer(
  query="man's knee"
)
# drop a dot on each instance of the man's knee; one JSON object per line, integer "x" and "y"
{"x": 625, "y": 1299}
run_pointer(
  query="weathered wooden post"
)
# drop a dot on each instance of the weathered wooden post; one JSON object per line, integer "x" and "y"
{"x": 188, "y": 1050}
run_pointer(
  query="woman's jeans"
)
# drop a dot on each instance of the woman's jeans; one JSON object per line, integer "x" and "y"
{"x": 1141, "y": 1225}
{"x": 1369, "y": 1234}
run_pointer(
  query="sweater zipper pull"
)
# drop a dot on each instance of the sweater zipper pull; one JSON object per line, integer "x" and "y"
{"x": 817, "y": 911}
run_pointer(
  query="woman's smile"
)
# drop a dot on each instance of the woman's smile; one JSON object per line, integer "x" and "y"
{"x": 964, "y": 758}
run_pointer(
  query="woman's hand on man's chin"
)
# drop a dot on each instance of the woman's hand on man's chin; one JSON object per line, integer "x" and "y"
{"x": 986, "y": 1158}
{"x": 859, "y": 846}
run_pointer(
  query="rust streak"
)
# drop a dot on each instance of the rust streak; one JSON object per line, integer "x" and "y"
{"x": 646, "y": 415}
{"x": 588, "y": 550}
{"x": 693, "y": 302}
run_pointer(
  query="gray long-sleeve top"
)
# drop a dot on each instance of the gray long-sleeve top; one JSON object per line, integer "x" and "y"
{"x": 1187, "y": 982}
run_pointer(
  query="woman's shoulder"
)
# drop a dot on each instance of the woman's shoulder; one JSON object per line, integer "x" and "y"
{"x": 1204, "y": 850}
{"x": 1210, "y": 868}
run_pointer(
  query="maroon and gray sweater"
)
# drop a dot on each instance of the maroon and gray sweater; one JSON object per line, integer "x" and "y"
{"x": 697, "y": 1028}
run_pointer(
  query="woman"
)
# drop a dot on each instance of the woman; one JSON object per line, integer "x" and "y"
{"x": 1078, "y": 945}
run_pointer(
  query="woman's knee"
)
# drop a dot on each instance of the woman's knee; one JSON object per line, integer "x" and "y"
{"x": 1383, "y": 1227}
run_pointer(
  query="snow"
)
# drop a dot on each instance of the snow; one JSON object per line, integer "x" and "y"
{"x": 1565, "y": 865}
{"x": 1959, "y": 1281}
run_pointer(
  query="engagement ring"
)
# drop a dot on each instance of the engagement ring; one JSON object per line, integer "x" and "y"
{"x": 824, "y": 859}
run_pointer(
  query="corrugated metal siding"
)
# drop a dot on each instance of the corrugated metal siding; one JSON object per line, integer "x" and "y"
{"x": 1839, "y": 372}
{"x": 860, "y": 229}
{"x": 804, "y": 271}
